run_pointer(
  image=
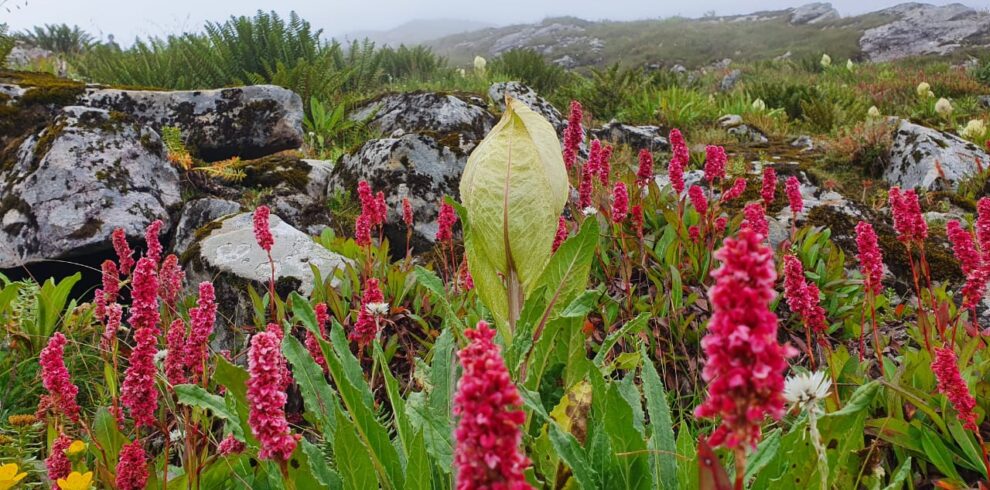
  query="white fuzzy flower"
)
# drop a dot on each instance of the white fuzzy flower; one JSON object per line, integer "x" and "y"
{"x": 176, "y": 435}
{"x": 759, "y": 105}
{"x": 807, "y": 387}
{"x": 589, "y": 211}
{"x": 943, "y": 107}
{"x": 826, "y": 61}
{"x": 480, "y": 63}
{"x": 850, "y": 65}
{"x": 377, "y": 309}
{"x": 924, "y": 90}
{"x": 461, "y": 72}
{"x": 873, "y": 112}
{"x": 974, "y": 129}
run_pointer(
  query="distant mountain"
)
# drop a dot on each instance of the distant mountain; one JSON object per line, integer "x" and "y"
{"x": 418, "y": 31}
{"x": 802, "y": 32}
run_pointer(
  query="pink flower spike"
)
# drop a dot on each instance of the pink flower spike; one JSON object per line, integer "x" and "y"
{"x": 58, "y": 463}
{"x": 125, "y": 256}
{"x": 637, "y": 217}
{"x": 138, "y": 392}
{"x": 362, "y": 230}
{"x": 983, "y": 227}
{"x": 202, "y": 319}
{"x": 870, "y": 257}
{"x": 262, "y": 229}
{"x": 679, "y": 160}
{"x": 756, "y": 219}
{"x": 738, "y": 187}
{"x": 715, "y": 162}
{"x": 366, "y": 327}
{"x": 561, "y": 235}
{"x": 61, "y": 397}
{"x": 644, "y": 175}
{"x": 132, "y": 468}
{"x": 620, "y": 202}
{"x": 605, "y": 165}
{"x": 744, "y": 364}
{"x": 175, "y": 356}
{"x": 769, "y": 190}
{"x": 963, "y": 246}
{"x": 111, "y": 281}
{"x": 114, "y": 315}
{"x": 698, "y": 199}
{"x": 312, "y": 344}
{"x": 172, "y": 277}
{"x": 953, "y": 386}
{"x": 445, "y": 222}
{"x": 407, "y": 212}
{"x": 488, "y": 408}
{"x": 151, "y": 238}
{"x": 908, "y": 221}
{"x": 573, "y": 135}
{"x": 793, "y": 189}
{"x": 266, "y": 396}
{"x": 230, "y": 446}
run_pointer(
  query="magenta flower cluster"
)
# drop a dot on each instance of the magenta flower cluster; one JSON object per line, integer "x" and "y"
{"x": 61, "y": 397}
{"x": 488, "y": 407}
{"x": 138, "y": 392}
{"x": 366, "y": 327}
{"x": 132, "y": 467}
{"x": 266, "y": 394}
{"x": 870, "y": 257}
{"x": 744, "y": 364}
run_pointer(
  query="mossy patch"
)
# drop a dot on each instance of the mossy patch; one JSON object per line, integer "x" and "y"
{"x": 943, "y": 264}
{"x": 274, "y": 170}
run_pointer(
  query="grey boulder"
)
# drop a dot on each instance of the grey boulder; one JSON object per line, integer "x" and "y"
{"x": 461, "y": 120}
{"x": 637, "y": 137}
{"x": 248, "y": 122}
{"x": 528, "y": 96}
{"x": 76, "y": 181}
{"x": 928, "y": 159}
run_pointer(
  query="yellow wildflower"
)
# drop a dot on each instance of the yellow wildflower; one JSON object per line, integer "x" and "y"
{"x": 75, "y": 448}
{"x": 76, "y": 481}
{"x": 9, "y": 476}
{"x": 22, "y": 420}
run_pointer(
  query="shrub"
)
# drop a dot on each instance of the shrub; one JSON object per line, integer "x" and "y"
{"x": 531, "y": 68}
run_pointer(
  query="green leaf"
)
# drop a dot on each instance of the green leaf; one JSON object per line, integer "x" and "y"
{"x": 196, "y": 396}
{"x": 571, "y": 453}
{"x": 900, "y": 475}
{"x": 418, "y": 474}
{"x": 108, "y": 435}
{"x": 234, "y": 378}
{"x": 353, "y": 459}
{"x": 318, "y": 397}
{"x": 318, "y": 465}
{"x": 939, "y": 454}
{"x": 356, "y": 397}
{"x": 632, "y": 326}
{"x": 514, "y": 188}
{"x": 663, "y": 450}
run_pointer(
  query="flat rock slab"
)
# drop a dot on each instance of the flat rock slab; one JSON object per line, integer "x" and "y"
{"x": 928, "y": 159}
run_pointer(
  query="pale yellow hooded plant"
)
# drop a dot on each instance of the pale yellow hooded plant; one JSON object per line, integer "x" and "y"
{"x": 514, "y": 188}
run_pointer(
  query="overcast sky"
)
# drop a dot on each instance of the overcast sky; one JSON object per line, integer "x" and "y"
{"x": 129, "y": 18}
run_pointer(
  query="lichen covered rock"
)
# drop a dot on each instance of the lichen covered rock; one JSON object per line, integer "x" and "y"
{"x": 73, "y": 183}
{"x": 521, "y": 92}
{"x": 414, "y": 166}
{"x": 249, "y": 122}
{"x": 460, "y": 120}
{"x": 928, "y": 159}
{"x": 197, "y": 213}
{"x": 637, "y": 137}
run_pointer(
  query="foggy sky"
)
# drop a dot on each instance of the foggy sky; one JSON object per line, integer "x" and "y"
{"x": 127, "y": 19}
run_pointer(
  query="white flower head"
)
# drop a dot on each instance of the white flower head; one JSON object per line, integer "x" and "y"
{"x": 589, "y": 211}
{"x": 805, "y": 388}
{"x": 850, "y": 65}
{"x": 176, "y": 435}
{"x": 975, "y": 128}
{"x": 943, "y": 107}
{"x": 377, "y": 309}
{"x": 873, "y": 112}
{"x": 759, "y": 105}
{"x": 159, "y": 358}
{"x": 826, "y": 61}
{"x": 480, "y": 63}
{"x": 924, "y": 90}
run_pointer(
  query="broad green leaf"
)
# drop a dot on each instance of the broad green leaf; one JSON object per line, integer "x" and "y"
{"x": 900, "y": 475}
{"x": 234, "y": 378}
{"x": 939, "y": 454}
{"x": 318, "y": 397}
{"x": 663, "y": 457}
{"x": 632, "y": 326}
{"x": 571, "y": 453}
{"x": 196, "y": 396}
{"x": 319, "y": 467}
{"x": 109, "y": 437}
{"x": 353, "y": 459}
{"x": 514, "y": 188}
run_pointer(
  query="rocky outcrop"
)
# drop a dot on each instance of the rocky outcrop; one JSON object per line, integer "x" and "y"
{"x": 917, "y": 29}
{"x": 734, "y": 125}
{"x": 813, "y": 13}
{"x": 72, "y": 184}
{"x": 226, "y": 252}
{"x": 248, "y": 122}
{"x": 928, "y": 159}
{"x": 459, "y": 120}
{"x": 196, "y": 214}
{"x": 636, "y": 137}
{"x": 517, "y": 90}
{"x": 294, "y": 188}
{"x": 414, "y": 166}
